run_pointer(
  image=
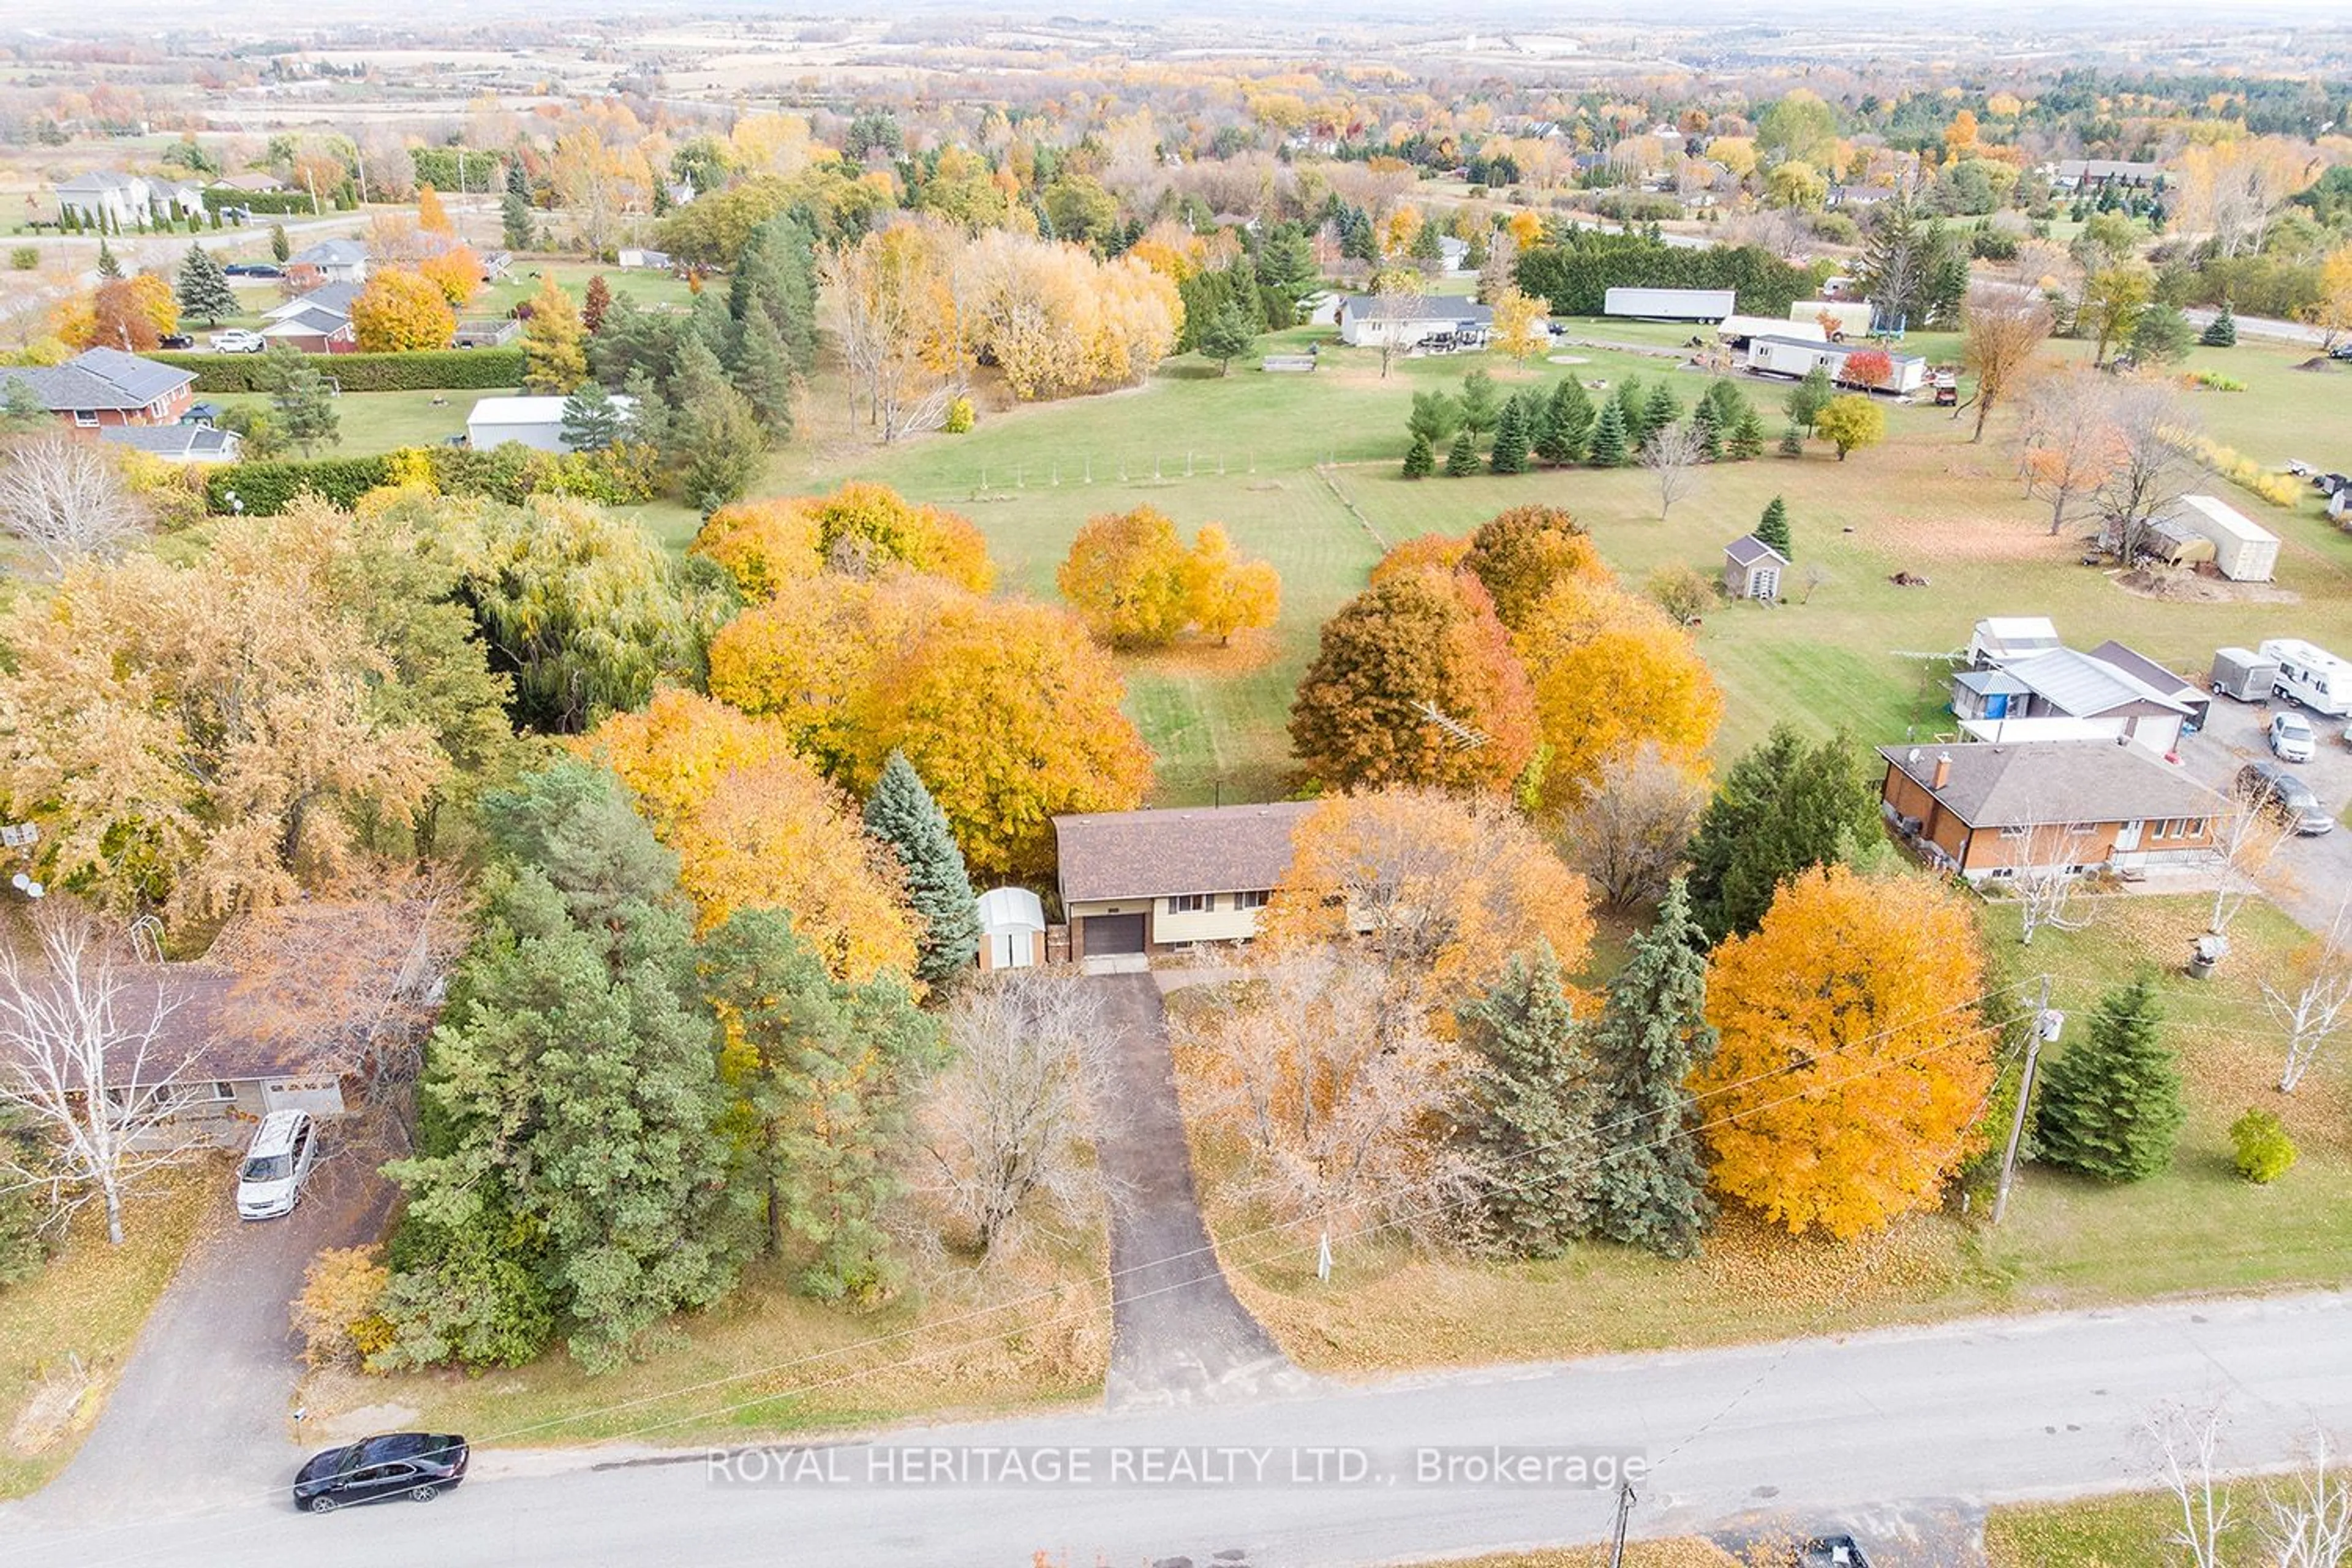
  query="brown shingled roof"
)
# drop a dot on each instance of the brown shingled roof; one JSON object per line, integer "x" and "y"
{"x": 2020, "y": 784}
{"x": 1191, "y": 849}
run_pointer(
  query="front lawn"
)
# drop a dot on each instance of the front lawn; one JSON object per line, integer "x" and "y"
{"x": 2067, "y": 1242}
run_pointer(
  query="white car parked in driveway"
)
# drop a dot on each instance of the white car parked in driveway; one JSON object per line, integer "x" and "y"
{"x": 238, "y": 341}
{"x": 270, "y": 1183}
{"x": 2291, "y": 737}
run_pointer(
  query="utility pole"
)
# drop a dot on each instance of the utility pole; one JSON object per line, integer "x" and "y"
{"x": 1624, "y": 1510}
{"x": 2045, "y": 1027}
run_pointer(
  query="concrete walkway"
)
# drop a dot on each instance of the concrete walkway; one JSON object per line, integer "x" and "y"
{"x": 1178, "y": 1336}
{"x": 201, "y": 1413}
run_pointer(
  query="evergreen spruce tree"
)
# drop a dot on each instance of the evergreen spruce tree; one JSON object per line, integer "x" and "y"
{"x": 302, "y": 406}
{"x": 763, "y": 375}
{"x": 1611, "y": 445}
{"x": 1633, "y": 404}
{"x": 1649, "y": 1187}
{"x": 902, "y": 814}
{"x": 1511, "y": 453}
{"x": 1462, "y": 457}
{"x": 1481, "y": 404}
{"x": 1746, "y": 440}
{"x": 1773, "y": 530}
{"x": 514, "y": 221}
{"x": 1660, "y": 409}
{"x": 108, "y": 267}
{"x": 1709, "y": 433}
{"x": 1419, "y": 460}
{"x": 1228, "y": 335}
{"x": 1792, "y": 441}
{"x": 2221, "y": 332}
{"x": 202, "y": 287}
{"x": 2110, "y": 1104}
{"x": 281, "y": 248}
{"x": 1568, "y": 423}
{"x": 1528, "y": 1112}
{"x": 1783, "y": 807}
{"x": 1728, "y": 402}
{"x": 592, "y": 420}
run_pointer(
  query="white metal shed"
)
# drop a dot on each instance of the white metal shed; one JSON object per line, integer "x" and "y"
{"x": 2244, "y": 550}
{"x": 1708, "y": 305}
{"x": 1012, "y": 928}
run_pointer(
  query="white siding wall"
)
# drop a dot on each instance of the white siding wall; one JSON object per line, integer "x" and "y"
{"x": 541, "y": 438}
{"x": 1223, "y": 922}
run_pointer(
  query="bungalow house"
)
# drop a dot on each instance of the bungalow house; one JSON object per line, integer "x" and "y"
{"x": 217, "y": 1077}
{"x": 253, "y": 184}
{"x": 636, "y": 260}
{"x": 176, "y": 443}
{"x": 535, "y": 422}
{"x": 314, "y": 329}
{"x": 2091, "y": 173}
{"x": 334, "y": 260}
{"x": 1989, "y": 810}
{"x": 100, "y": 387}
{"x": 1012, "y": 928}
{"x": 335, "y": 296}
{"x": 1795, "y": 357}
{"x": 1138, "y": 882}
{"x": 1751, "y": 568}
{"x": 126, "y": 201}
{"x": 2066, "y": 684}
{"x": 1440, "y": 321}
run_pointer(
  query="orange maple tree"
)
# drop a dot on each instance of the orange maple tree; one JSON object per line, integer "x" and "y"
{"x": 763, "y": 544}
{"x": 1852, "y": 1066}
{"x": 457, "y": 272}
{"x": 401, "y": 310}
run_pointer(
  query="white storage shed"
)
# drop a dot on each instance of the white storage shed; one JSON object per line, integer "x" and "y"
{"x": 1670, "y": 304}
{"x": 2244, "y": 550}
{"x": 536, "y": 421}
{"x": 1012, "y": 928}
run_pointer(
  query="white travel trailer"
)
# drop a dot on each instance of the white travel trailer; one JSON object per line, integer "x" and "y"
{"x": 2310, "y": 675}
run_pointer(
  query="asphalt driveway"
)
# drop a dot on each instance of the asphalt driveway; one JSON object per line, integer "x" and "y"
{"x": 202, "y": 1414}
{"x": 1178, "y": 1336}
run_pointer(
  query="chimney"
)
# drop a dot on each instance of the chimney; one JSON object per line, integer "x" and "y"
{"x": 1943, "y": 770}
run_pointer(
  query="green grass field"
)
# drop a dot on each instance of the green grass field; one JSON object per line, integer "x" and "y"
{"x": 376, "y": 422}
{"x": 1303, "y": 469}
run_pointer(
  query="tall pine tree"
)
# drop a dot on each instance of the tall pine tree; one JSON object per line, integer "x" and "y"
{"x": 1527, "y": 1111}
{"x": 1746, "y": 443}
{"x": 1649, "y": 1188}
{"x": 1568, "y": 423}
{"x": 1462, "y": 457}
{"x": 902, "y": 814}
{"x": 203, "y": 289}
{"x": 1784, "y": 807}
{"x": 1511, "y": 453}
{"x": 2110, "y": 1104}
{"x": 1773, "y": 528}
{"x": 1611, "y": 445}
{"x": 763, "y": 375}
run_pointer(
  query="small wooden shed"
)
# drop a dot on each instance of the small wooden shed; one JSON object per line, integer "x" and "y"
{"x": 1751, "y": 568}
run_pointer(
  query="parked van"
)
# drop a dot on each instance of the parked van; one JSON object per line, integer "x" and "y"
{"x": 2311, "y": 676}
{"x": 270, "y": 1183}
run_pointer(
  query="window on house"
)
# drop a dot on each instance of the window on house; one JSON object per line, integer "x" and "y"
{"x": 1191, "y": 904}
{"x": 223, "y": 1089}
{"x": 2079, "y": 829}
{"x": 2018, "y": 830}
{"x": 86, "y": 417}
{"x": 1252, "y": 900}
{"x": 2196, "y": 828}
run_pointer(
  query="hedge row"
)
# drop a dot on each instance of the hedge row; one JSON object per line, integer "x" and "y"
{"x": 265, "y": 203}
{"x": 619, "y": 476}
{"x": 416, "y": 370}
{"x": 1575, "y": 277}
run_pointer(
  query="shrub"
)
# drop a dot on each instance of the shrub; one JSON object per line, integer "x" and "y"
{"x": 960, "y": 417}
{"x": 427, "y": 370}
{"x": 2278, "y": 489}
{"x": 264, "y": 490}
{"x": 338, "y": 1313}
{"x": 25, "y": 258}
{"x": 2264, "y": 1150}
{"x": 2214, "y": 380}
{"x": 1682, "y": 590}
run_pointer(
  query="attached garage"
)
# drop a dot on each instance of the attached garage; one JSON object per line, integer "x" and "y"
{"x": 1108, "y": 936}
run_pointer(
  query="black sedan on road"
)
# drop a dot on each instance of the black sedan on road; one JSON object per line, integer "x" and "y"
{"x": 415, "y": 1465}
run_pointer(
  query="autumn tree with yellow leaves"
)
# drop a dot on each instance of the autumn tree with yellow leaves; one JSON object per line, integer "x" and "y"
{"x": 755, "y": 827}
{"x": 1852, "y": 1065}
{"x": 1135, "y": 584}
{"x": 1612, "y": 673}
{"x": 401, "y": 310}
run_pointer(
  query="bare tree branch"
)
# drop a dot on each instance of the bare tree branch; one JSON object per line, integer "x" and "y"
{"x": 1672, "y": 454}
{"x": 2321, "y": 1001}
{"x": 67, "y": 502}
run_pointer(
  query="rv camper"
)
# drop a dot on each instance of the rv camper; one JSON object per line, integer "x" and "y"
{"x": 2311, "y": 676}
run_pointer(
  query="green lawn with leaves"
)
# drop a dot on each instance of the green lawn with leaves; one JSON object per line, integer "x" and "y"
{"x": 1304, "y": 469}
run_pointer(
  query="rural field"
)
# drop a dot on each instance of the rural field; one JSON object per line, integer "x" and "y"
{"x": 1303, "y": 471}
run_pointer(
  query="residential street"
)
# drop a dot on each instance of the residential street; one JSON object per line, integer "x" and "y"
{"x": 200, "y": 1412}
{"x": 1993, "y": 1409}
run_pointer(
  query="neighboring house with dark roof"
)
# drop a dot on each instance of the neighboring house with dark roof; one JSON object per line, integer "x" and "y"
{"x": 334, "y": 260}
{"x": 1751, "y": 568}
{"x": 126, "y": 200}
{"x": 2090, "y": 173}
{"x": 315, "y": 330}
{"x": 1137, "y": 882}
{"x": 176, "y": 443}
{"x": 1404, "y": 321}
{"x": 335, "y": 296}
{"x": 103, "y": 387}
{"x": 1990, "y": 809}
{"x": 253, "y": 184}
{"x": 220, "y": 1075}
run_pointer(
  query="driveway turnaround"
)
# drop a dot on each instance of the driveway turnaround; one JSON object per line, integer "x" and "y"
{"x": 1899, "y": 1423}
{"x": 200, "y": 1413}
{"x": 1176, "y": 1333}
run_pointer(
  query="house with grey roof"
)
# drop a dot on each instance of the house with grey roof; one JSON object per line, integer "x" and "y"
{"x": 1989, "y": 810}
{"x": 2104, "y": 696}
{"x": 176, "y": 443}
{"x": 315, "y": 330}
{"x": 1133, "y": 883}
{"x": 333, "y": 260}
{"x": 103, "y": 387}
{"x": 1751, "y": 568}
{"x": 1438, "y": 322}
{"x": 126, "y": 201}
{"x": 336, "y": 297}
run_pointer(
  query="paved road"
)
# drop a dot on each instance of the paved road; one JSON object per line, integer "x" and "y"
{"x": 1935, "y": 1419}
{"x": 200, "y": 1413}
{"x": 1176, "y": 1333}
{"x": 2264, "y": 327}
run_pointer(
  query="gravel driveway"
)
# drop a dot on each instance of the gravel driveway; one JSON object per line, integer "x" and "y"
{"x": 202, "y": 1414}
{"x": 2319, "y": 869}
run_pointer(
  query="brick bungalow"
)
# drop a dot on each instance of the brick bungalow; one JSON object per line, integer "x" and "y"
{"x": 1982, "y": 809}
{"x": 1138, "y": 882}
{"x": 99, "y": 388}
